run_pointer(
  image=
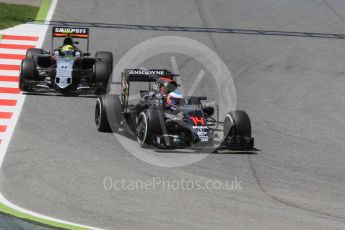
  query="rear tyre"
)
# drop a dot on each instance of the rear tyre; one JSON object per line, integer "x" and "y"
{"x": 106, "y": 57}
{"x": 237, "y": 123}
{"x": 148, "y": 126}
{"x": 102, "y": 75}
{"x": 108, "y": 113}
{"x": 30, "y": 53}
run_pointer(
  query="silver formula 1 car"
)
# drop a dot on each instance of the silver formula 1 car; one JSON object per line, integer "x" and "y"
{"x": 65, "y": 72}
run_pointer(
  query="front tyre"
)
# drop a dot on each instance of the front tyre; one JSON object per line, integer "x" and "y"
{"x": 237, "y": 131}
{"x": 28, "y": 72}
{"x": 237, "y": 123}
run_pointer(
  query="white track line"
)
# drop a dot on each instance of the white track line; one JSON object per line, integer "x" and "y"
{"x": 9, "y": 73}
{"x": 10, "y": 96}
{"x": 8, "y": 84}
{"x": 10, "y": 61}
{"x": 10, "y": 128}
{"x": 5, "y": 122}
{"x": 2, "y": 136}
{"x": 4, "y": 108}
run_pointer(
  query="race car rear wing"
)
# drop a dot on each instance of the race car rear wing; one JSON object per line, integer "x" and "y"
{"x": 141, "y": 75}
{"x": 146, "y": 75}
{"x": 73, "y": 32}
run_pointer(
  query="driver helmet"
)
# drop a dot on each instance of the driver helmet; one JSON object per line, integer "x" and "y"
{"x": 174, "y": 98}
{"x": 67, "y": 50}
{"x": 166, "y": 85}
{"x": 68, "y": 41}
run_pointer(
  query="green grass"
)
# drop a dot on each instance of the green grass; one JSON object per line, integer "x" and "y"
{"x": 13, "y": 14}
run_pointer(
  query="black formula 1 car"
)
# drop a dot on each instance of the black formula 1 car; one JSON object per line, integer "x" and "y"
{"x": 54, "y": 71}
{"x": 190, "y": 123}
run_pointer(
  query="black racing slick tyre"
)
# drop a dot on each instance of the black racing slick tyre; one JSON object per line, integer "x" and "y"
{"x": 108, "y": 113}
{"x": 237, "y": 123}
{"x": 106, "y": 57}
{"x": 102, "y": 76}
{"x": 102, "y": 73}
{"x": 149, "y": 126}
{"x": 30, "y": 53}
{"x": 28, "y": 70}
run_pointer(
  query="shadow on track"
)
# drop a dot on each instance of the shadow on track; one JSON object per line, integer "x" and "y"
{"x": 190, "y": 150}
{"x": 58, "y": 95}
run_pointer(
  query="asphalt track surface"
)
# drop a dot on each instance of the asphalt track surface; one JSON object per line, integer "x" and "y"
{"x": 292, "y": 87}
